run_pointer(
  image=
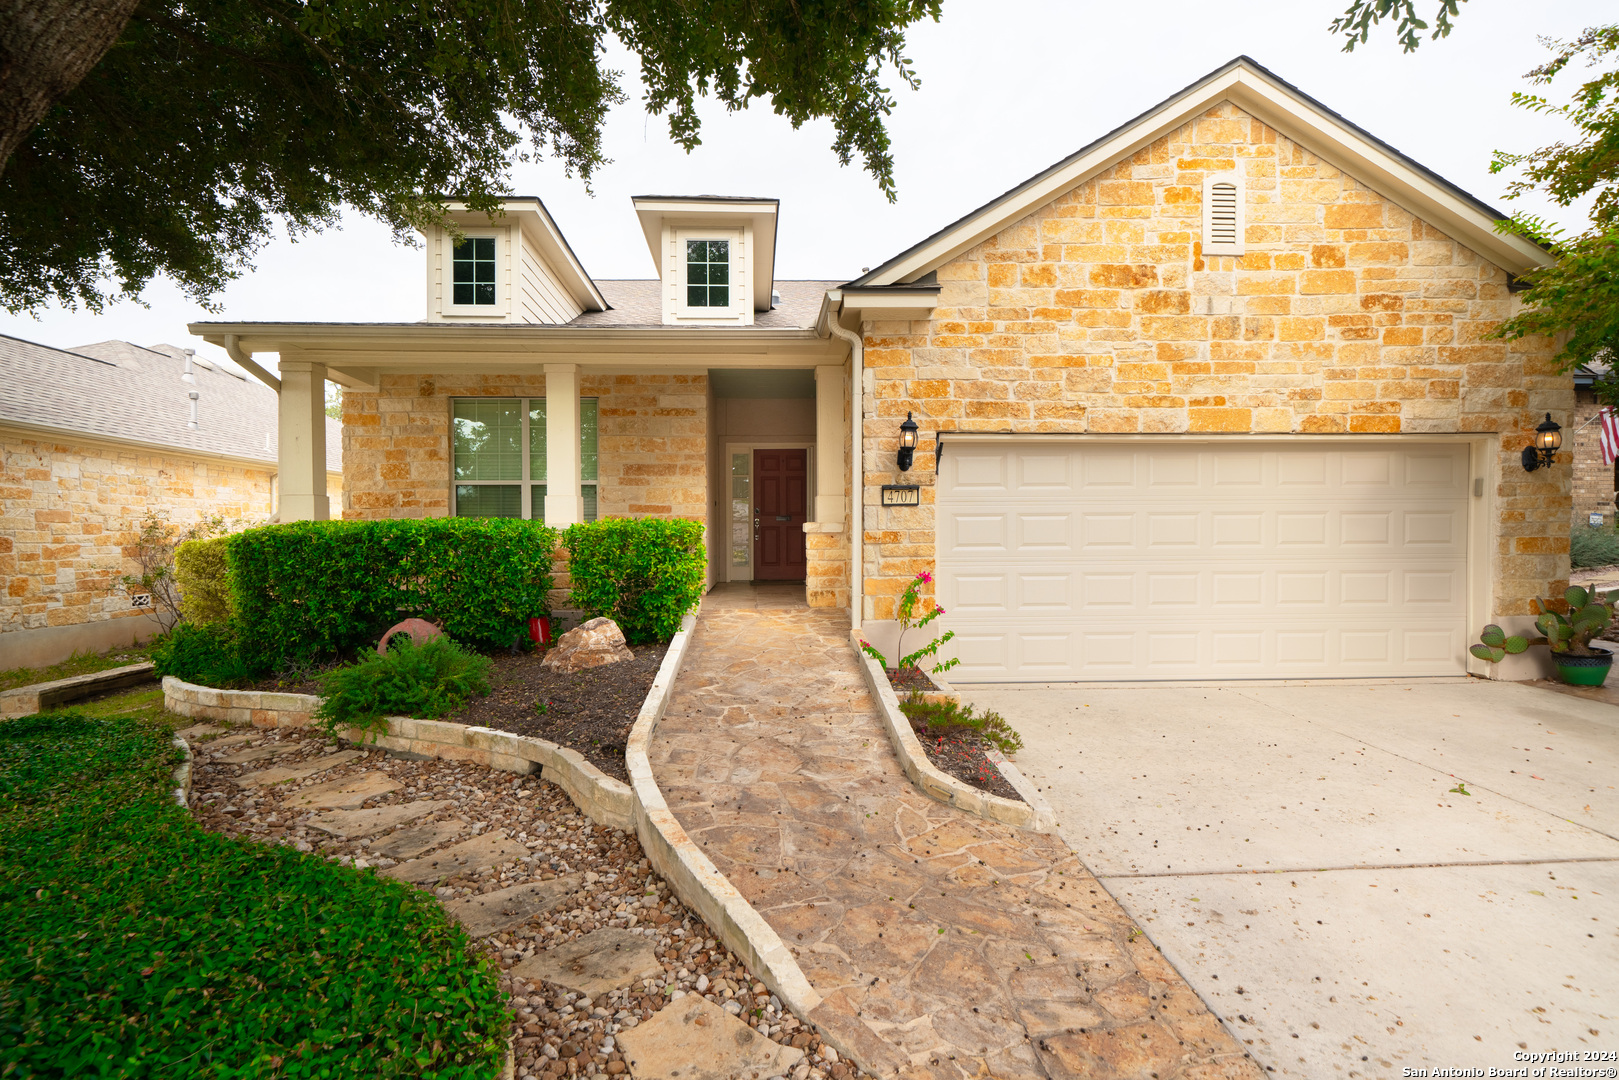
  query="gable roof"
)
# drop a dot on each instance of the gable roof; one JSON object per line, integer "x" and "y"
{"x": 119, "y": 392}
{"x": 1277, "y": 103}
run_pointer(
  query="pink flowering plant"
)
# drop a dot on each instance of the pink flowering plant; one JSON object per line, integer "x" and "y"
{"x": 908, "y": 621}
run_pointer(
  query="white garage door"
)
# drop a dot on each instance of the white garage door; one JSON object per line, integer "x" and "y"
{"x": 1072, "y": 561}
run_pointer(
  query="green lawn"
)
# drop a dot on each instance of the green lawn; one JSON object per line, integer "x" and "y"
{"x": 139, "y": 945}
{"x": 78, "y": 664}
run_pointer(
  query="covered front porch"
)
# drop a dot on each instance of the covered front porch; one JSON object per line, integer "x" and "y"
{"x": 748, "y": 433}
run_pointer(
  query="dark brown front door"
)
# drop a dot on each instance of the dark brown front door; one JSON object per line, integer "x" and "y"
{"x": 780, "y": 490}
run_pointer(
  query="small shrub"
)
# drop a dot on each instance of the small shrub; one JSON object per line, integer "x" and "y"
{"x": 947, "y": 716}
{"x": 1593, "y": 545}
{"x": 207, "y": 654}
{"x": 155, "y": 540}
{"x": 139, "y": 945}
{"x": 200, "y": 572}
{"x": 643, "y": 573}
{"x": 426, "y": 680}
{"x": 313, "y": 589}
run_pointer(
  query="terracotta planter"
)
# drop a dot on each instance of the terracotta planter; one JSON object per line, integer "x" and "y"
{"x": 1583, "y": 670}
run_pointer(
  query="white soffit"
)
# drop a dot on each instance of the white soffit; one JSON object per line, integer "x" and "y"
{"x": 699, "y": 210}
{"x": 1267, "y": 98}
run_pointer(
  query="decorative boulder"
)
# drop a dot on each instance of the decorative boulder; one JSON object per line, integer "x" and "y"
{"x": 590, "y": 644}
{"x": 418, "y": 630}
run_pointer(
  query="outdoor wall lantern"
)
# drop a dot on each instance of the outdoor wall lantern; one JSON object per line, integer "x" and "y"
{"x": 907, "y": 443}
{"x": 1543, "y": 451}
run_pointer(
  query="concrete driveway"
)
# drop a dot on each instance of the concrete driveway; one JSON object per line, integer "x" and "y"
{"x": 1307, "y": 858}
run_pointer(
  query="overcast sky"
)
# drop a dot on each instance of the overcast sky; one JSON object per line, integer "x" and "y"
{"x": 1008, "y": 87}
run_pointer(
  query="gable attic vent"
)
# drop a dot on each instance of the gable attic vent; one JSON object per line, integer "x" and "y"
{"x": 1223, "y": 215}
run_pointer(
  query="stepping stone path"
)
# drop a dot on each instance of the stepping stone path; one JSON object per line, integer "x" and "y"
{"x": 349, "y": 823}
{"x": 242, "y": 757}
{"x": 490, "y": 849}
{"x": 506, "y": 908}
{"x": 234, "y": 740}
{"x": 299, "y": 772}
{"x": 347, "y": 793}
{"x": 409, "y": 843}
{"x": 595, "y": 964}
{"x": 692, "y": 1039}
{"x": 197, "y": 731}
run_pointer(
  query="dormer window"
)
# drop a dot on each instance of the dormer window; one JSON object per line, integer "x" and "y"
{"x": 708, "y": 273}
{"x": 474, "y": 282}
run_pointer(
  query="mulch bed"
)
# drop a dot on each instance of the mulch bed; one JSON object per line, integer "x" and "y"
{"x": 590, "y": 711}
{"x": 910, "y": 679}
{"x": 960, "y": 753}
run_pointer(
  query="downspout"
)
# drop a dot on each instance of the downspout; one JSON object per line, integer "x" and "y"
{"x": 233, "y": 349}
{"x": 857, "y": 494}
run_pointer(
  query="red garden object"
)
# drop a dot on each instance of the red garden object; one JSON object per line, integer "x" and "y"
{"x": 539, "y": 631}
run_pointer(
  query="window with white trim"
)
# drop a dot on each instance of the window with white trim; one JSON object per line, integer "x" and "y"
{"x": 473, "y": 272}
{"x": 499, "y": 457}
{"x": 1223, "y": 215}
{"x": 708, "y": 273}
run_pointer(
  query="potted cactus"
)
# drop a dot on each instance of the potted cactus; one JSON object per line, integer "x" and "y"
{"x": 1568, "y": 637}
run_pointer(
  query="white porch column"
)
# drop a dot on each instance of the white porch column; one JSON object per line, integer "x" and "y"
{"x": 563, "y": 503}
{"x": 301, "y": 429}
{"x": 829, "y": 440}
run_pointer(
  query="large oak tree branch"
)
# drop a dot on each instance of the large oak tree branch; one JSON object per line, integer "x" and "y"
{"x": 46, "y": 49}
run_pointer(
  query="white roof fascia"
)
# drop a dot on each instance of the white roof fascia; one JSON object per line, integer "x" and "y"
{"x": 655, "y": 211}
{"x": 1276, "y": 105}
{"x": 73, "y": 435}
{"x": 900, "y": 303}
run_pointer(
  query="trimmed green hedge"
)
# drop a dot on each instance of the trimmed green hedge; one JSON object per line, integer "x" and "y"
{"x": 139, "y": 945}
{"x": 201, "y": 572}
{"x": 323, "y": 588}
{"x": 643, "y": 573}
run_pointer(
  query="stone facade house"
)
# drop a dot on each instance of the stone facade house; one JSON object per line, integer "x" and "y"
{"x": 1212, "y": 397}
{"x": 91, "y": 438}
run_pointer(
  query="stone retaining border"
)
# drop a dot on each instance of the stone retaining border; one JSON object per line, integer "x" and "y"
{"x": 1034, "y": 814}
{"x": 692, "y": 875}
{"x": 603, "y": 799}
{"x": 37, "y": 697}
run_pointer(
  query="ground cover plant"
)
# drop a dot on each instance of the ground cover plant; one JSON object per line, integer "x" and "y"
{"x": 423, "y": 680}
{"x": 139, "y": 945}
{"x": 80, "y": 663}
{"x": 1593, "y": 545}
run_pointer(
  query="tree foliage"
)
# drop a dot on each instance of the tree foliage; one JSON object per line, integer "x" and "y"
{"x": 1357, "y": 22}
{"x": 209, "y": 121}
{"x": 1578, "y": 294}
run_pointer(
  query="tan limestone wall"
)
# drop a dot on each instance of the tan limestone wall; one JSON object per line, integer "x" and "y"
{"x": 1593, "y": 481}
{"x": 69, "y": 512}
{"x": 652, "y": 430}
{"x": 1098, "y": 313}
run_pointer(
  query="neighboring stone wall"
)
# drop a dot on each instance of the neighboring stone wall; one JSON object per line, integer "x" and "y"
{"x": 1098, "y": 313}
{"x": 1593, "y": 481}
{"x": 69, "y": 511}
{"x": 653, "y": 440}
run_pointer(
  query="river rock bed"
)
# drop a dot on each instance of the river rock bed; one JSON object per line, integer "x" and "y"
{"x": 556, "y": 1032}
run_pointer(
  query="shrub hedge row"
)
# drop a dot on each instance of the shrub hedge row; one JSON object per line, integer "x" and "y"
{"x": 140, "y": 945}
{"x": 327, "y": 588}
{"x": 313, "y": 590}
{"x": 643, "y": 573}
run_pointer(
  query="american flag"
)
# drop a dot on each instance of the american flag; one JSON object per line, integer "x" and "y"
{"x": 1610, "y": 436}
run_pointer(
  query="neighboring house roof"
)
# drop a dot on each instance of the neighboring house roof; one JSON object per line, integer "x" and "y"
{"x": 639, "y": 304}
{"x": 1277, "y": 103}
{"x": 126, "y": 393}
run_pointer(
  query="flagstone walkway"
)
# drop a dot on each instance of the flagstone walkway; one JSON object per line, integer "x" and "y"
{"x": 950, "y": 946}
